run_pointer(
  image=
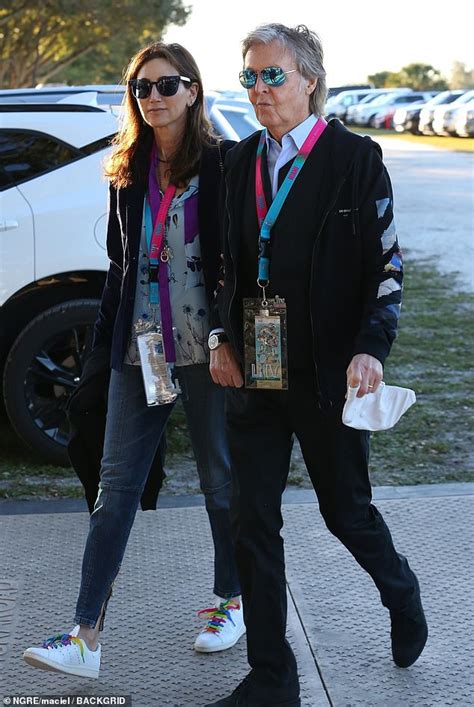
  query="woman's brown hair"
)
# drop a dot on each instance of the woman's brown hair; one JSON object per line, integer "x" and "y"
{"x": 130, "y": 158}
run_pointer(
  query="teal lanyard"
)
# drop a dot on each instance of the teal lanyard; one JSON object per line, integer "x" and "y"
{"x": 267, "y": 217}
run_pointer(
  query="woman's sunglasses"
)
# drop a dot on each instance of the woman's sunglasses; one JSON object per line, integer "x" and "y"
{"x": 271, "y": 75}
{"x": 166, "y": 86}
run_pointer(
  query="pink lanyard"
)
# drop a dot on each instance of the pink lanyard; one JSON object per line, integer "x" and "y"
{"x": 159, "y": 287}
{"x": 267, "y": 217}
{"x": 157, "y": 239}
{"x": 262, "y": 208}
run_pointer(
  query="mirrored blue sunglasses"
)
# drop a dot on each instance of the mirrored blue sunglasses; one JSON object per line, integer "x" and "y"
{"x": 271, "y": 75}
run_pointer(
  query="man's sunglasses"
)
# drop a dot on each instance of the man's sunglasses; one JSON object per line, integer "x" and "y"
{"x": 166, "y": 86}
{"x": 271, "y": 75}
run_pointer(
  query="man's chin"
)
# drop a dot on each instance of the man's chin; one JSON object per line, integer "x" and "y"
{"x": 264, "y": 118}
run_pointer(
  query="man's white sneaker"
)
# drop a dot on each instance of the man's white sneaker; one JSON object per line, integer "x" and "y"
{"x": 65, "y": 653}
{"x": 225, "y": 625}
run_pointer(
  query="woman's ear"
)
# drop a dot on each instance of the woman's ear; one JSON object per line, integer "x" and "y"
{"x": 193, "y": 92}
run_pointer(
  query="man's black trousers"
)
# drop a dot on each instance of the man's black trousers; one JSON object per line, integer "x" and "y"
{"x": 261, "y": 425}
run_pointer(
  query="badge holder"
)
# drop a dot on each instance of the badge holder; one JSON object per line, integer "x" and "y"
{"x": 160, "y": 388}
{"x": 265, "y": 343}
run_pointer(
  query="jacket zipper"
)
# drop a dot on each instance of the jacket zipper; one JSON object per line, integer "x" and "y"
{"x": 323, "y": 222}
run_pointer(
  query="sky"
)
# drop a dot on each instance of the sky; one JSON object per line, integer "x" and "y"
{"x": 358, "y": 37}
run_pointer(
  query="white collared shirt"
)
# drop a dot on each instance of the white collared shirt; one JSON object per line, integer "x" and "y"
{"x": 278, "y": 155}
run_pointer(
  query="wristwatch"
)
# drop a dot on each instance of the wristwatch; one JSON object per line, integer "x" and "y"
{"x": 215, "y": 340}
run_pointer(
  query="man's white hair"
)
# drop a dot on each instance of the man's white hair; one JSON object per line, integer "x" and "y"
{"x": 306, "y": 48}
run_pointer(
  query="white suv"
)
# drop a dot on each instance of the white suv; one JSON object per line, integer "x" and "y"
{"x": 52, "y": 245}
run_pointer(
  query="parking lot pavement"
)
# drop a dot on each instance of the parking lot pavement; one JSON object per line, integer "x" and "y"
{"x": 434, "y": 206}
{"x": 339, "y": 630}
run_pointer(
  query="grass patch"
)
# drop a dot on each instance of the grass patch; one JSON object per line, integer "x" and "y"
{"x": 456, "y": 144}
{"x": 23, "y": 476}
{"x": 432, "y": 443}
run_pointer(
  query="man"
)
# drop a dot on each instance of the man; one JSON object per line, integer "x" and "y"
{"x": 324, "y": 242}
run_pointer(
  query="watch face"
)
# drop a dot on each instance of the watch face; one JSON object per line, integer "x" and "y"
{"x": 213, "y": 342}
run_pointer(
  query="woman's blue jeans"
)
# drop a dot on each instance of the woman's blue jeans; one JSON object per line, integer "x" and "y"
{"x": 132, "y": 435}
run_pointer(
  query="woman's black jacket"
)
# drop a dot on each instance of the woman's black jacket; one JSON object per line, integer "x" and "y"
{"x": 88, "y": 405}
{"x": 114, "y": 321}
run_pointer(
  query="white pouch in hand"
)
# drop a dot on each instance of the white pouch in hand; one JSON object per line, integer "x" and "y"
{"x": 377, "y": 411}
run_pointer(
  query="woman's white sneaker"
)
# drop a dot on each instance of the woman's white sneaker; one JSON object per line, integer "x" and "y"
{"x": 225, "y": 625}
{"x": 65, "y": 653}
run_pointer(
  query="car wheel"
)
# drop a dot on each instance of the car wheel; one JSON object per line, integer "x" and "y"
{"x": 42, "y": 370}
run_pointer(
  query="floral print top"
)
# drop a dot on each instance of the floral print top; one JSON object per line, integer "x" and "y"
{"x": 189, "y": 306}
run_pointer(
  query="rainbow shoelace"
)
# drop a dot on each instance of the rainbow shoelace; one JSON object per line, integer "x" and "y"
{"x": 64, "y": 639}
{"x": 218, "y": 615}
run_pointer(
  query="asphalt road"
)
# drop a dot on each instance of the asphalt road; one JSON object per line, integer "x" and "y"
{"x": 434, "y": 206}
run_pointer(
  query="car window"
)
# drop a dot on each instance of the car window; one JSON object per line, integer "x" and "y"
{"x": 243, "y": 123}
{"x": 444, "y": 97}
{"x": 449, "y": 99}
{"x": 31, "y": 97}
{"x": 380, "y": 100}
{"x": 371, "y": 98}
{"x": 465, "y": 98}
{"x": 25, "y": 155}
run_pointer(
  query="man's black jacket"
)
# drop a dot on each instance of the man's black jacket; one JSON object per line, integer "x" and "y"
{"x": 355, "y": 272}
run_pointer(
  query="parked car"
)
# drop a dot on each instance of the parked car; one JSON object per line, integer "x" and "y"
{"x": 335, "y": 90}
{"x": 384, "y": 117}
{"x": 425, "y": 124}
{"x": 443, "y": 120}
{"x": 464, "y": 120}
{"x": 101, "y": 95}
{"x": 234, "y": 118}
{"x": 363, "y": 113}
{"x": 352, "y": 111}
{"x": 407, "y": 119}
{"x": 338, "y": 106}
{"x": 52, "y": 244}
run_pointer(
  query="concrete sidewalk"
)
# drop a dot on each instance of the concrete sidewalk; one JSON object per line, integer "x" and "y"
{"x": 337, "y": 626}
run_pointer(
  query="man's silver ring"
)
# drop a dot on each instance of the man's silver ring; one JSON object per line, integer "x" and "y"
{"x": 370, "y": 386}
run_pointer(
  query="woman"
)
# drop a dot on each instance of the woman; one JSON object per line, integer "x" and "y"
{"x": 164, "y": 174}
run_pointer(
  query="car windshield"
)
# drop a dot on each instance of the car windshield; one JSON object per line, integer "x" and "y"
{"x": 467, "y": 106}
{"x": 443, "y": 98}
{"x": 242, "y": 120}
{"x": 386, "y": 98}
{"x": 465, "y": 98}
{"x": 372, "y": 97}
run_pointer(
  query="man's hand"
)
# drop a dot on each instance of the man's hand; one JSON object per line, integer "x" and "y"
{"x": 225, "y": 368}
{"x": 366, "y": 371}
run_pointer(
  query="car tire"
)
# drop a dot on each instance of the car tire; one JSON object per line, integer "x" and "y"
{"x": 43, "y": 368}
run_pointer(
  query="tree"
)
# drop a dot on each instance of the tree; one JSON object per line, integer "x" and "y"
{"x": 418, "y": 76}
{"x": 422, "y": 77}
{"x": 461, "y": 77}
{"x": 380, "y": 79}
{"x": 42, "y": 39}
